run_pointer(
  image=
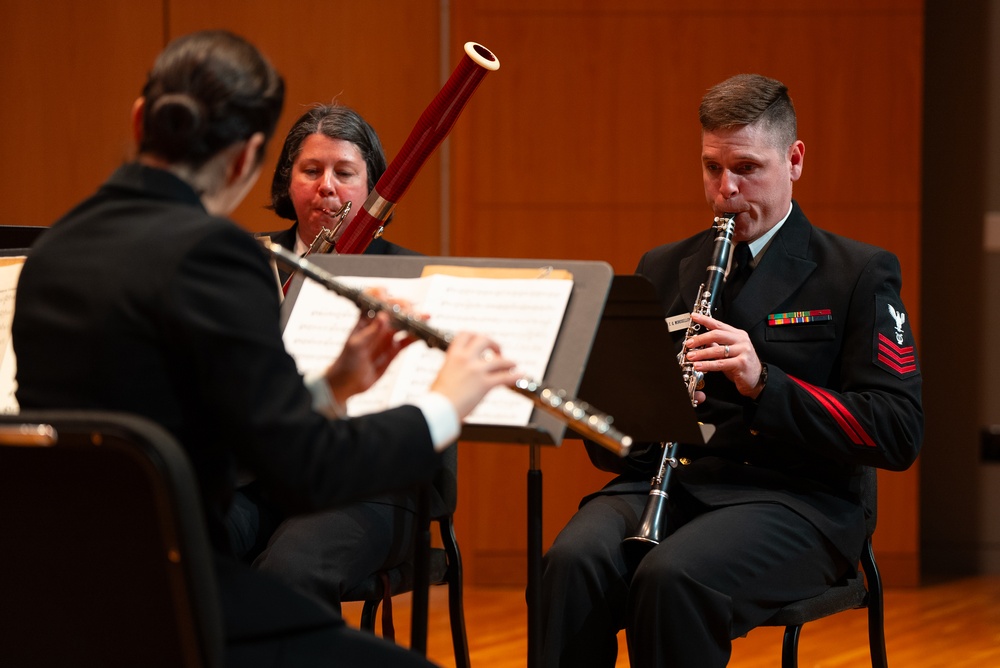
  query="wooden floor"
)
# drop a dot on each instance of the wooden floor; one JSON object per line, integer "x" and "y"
{"x": 951, "y": 624}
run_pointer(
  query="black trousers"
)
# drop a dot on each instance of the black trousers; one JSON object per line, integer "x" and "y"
{"x": 327, "y": 554}
{"x": 721, "y": 572}
{"x": 270, "y": 625}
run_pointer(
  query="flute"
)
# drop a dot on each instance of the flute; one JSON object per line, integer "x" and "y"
{"x": 576, "y": 414}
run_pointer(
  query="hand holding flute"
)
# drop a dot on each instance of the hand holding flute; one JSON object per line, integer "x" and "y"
{"x": 473, "y": 364}
{"x": 472, "y": 367}
{"x": 578, "y": 415}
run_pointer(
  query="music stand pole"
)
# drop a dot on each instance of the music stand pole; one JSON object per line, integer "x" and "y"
{"x": 534, "y": 594}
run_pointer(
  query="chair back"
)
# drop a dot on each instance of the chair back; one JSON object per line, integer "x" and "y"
{"x": 106, "y": 559}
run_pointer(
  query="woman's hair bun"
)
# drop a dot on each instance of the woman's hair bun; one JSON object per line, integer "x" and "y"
{"x": 207, "y": 91}
{"x": 177, "y": 120}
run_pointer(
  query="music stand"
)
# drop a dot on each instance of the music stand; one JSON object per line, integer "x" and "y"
{"x": 632, "y": 374}
{"x": 591, "y": 283}
{"x": 634, "y": 343}
{"x": 17, "y": 239}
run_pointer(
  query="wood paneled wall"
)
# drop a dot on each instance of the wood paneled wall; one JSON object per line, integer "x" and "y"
{"x": 584, "y": 145}
{"x": 69, "y": 72}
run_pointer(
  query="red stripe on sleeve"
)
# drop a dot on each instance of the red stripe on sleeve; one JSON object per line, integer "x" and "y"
{"x": 900, "y": 368}
{"x": 839, "y": 413}
{"x": 900, "y": 350}
{"x": 899, "y": 359}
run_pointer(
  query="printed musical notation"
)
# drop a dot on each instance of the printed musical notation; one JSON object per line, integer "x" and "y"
{"x": 10, "y": 271}
{"x": 522, "y": 315}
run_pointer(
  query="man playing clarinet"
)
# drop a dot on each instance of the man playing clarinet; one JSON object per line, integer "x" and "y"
{"x": 810, "y": 374}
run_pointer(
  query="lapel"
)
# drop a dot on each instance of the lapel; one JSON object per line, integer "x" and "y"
{"x": 286, "y": 237}
{"x": 781, "y": 271}
{"x": 693, "y": 269}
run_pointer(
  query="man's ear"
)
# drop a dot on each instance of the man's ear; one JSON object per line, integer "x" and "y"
{"x": 138, "y": 113}
{"x": 247, "y": 162}
{"x": 796, "y": 158}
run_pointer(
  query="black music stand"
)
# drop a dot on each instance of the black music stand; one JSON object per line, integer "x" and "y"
{"x": 17, "y": 239}
{"x": 591, "y": 283}
{"x": 632, "y": 374}
{"x": 633, "y": 346}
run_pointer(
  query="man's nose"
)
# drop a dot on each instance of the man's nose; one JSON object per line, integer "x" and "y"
{"x": 728, "y": 184}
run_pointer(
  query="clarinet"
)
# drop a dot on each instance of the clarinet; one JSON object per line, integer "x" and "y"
{"x": 653, "y": 523}
{"x": 576, "y": 414}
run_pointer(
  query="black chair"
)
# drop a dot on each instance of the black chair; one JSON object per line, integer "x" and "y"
{"x": 863, "y": 590}
{"x": 106, "y": 560}
{"x": 429, "y": 566}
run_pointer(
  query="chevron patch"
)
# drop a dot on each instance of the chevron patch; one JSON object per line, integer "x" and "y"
{"x": 893, "y": 347}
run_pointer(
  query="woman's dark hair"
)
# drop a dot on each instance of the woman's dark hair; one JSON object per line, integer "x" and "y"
{"x": 336, "y": 122}
{"x": 206, "y": 91}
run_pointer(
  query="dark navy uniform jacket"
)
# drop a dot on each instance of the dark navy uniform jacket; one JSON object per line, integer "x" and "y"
{"x": 843, "y": 390}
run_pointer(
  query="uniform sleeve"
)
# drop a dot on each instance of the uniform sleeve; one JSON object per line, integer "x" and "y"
{"x": 871, "y": 412}
{"x": 250, "y": 399}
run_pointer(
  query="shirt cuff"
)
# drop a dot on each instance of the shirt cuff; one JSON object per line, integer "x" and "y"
{"x": 323, "y": 401}
{"x": 442, "y": 420}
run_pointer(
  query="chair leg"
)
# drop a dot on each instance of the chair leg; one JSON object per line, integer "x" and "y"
{"x": 368, "y": 616}
{"x": 876, "y": 608}
{"x": 370, "y": 611}
{"x": 790, "y": 647}
{"x": 421, "y": 577}
{"x": 456, "y": 605}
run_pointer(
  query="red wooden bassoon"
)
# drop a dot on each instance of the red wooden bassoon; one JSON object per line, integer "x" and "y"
{"x": 434, "y": 125}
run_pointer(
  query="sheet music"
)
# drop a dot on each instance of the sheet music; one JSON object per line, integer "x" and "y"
{"x": 10, "y": 270}
{"x": 522, "y": 315}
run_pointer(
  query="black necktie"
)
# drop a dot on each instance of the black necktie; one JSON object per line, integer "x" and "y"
{"x": 738, "y": 276}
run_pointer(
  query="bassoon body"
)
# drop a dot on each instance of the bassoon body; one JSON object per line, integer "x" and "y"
{"x": 431, "y": 129}
{"x": 653, "y": 523}
{"x": 576, "y": 414}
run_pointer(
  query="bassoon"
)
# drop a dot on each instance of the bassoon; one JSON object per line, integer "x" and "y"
{"x": 431, "y": 129}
